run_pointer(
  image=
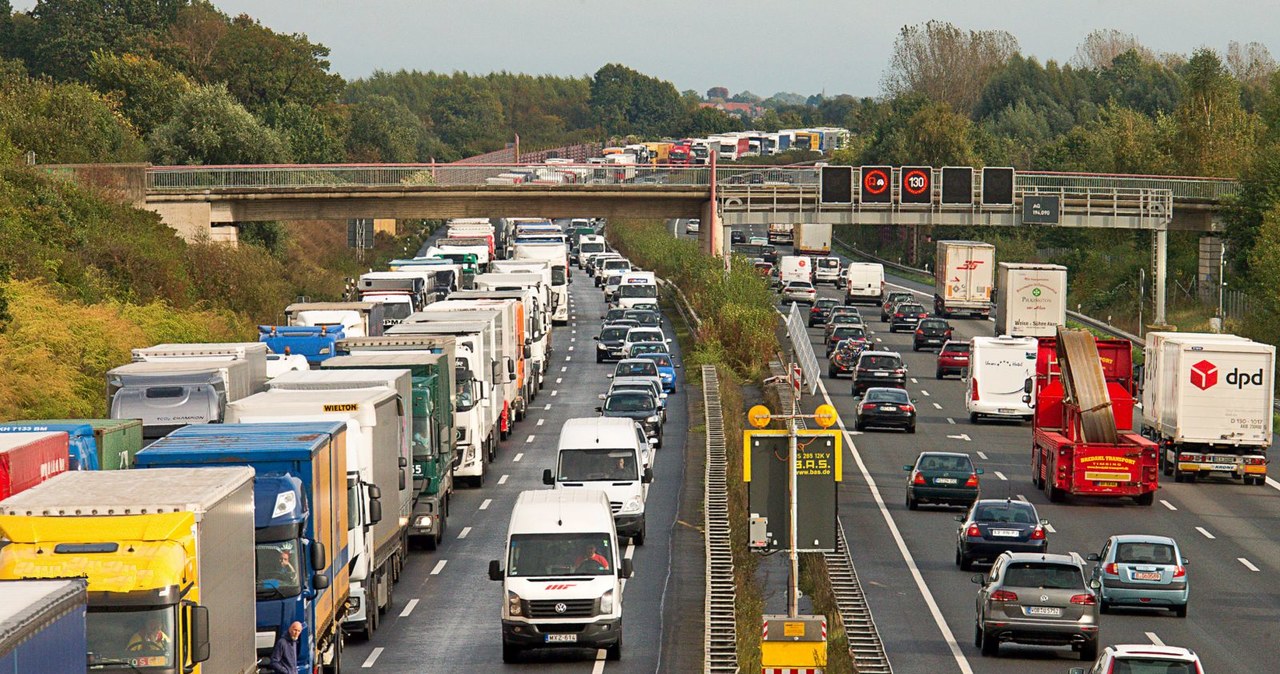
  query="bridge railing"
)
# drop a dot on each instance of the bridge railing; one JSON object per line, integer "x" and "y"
{"x": 1181, "y": 187}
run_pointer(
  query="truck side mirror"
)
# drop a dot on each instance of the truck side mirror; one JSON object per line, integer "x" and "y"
{"x": 318, "y": 557}
{"x": 547, "y": 477}
{"x": 319, "y": 581}
{"x": 199, "y": 633}
{"x": 1026, "y": 386}
{"x": 648, "y": 476}
{"x": 375, "y": 511}
{"x": 528, "y": 351}
{"x": 495, "y": 570}
{"x": 626, "y": 569}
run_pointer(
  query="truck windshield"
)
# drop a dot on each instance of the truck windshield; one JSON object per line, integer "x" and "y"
{"x": 396, "y": 311}
{"x": 277, "y": 569}
{"x": 576, "y": 554}
{"x": 131, "y": 639}
{"x": 580, "y": 465}
{"x": 465, "y": 398}
{"x": 638, "y": 290}
{"x": 558, "y": 275}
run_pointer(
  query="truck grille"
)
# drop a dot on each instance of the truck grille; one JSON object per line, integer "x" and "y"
{"x": 615, "y": 506}
{"x": 574, "y": 608}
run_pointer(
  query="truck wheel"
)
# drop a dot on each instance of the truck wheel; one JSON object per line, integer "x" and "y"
{"x": 391, "y": 590}
{"x": 335, "y": 654}
{"x": 510, "y": 653}
{"x": 638, "y": 539}
{"x": 1178, "y": 475}
{"x": 614, "y": 652}
{"x": 1146, "y": 499}
{"x": 1055, "y": 495}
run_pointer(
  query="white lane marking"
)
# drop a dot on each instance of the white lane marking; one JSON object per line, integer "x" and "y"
{"x": 1155, "y": 640}
{"x": 463, "y": 534}
{"x": 559, "y": 380}
{"x": 413, "y": 603}
{"x": 568, "y": 358}
{"x": 1168, "y": 505}
{"x": 1049, "y": 528}
{"x": 924, "y": 391}
{"x": 1206, "y": 533}
{"x": 373, "y": 657}
{"x": 879, "y": 340}
{"x": 528, "y": 440}
{"x": 1000, "y": 475}
{"x": 1022, "y": 498}
{"x": 910, "y": 561}
{"x": 484, "y": 505}
{"x": 1273, "y": 484}
{"x": 574, "y": 331}
{"x": 598, "y": 667}
{"x": 555, "y": 393}
{"x": 503, "y": 479}
{"x": 983, "y": 456}
{"x": 962, "y": 436}
{"x": 571, "y": 349}
{"x": 518, "y": 456}
{"x": 564, "y": 368}
{"x": 936, "y": 406}
{"x": 541, "y": 421}
{"x": 914, "y": 381}
{"x": 439, "y": 567}
{"x": 950, "y": 420}
{"x": 572, "y": 339}
{"x": 547, "y": 406}
{"x": 1247, "y": 564}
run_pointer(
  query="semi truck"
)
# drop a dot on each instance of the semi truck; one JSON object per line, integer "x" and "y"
{"x": 536, "y": 321}
{"x": 781, "y": 233}
{"x": 432, "y": 432}
{"x": 254, "y": 353}
{"x": 170, "y": 394}
{"x": 557, "y": 294}
{"x": 43, "y": 627}
{"x": 30, "y": 458}
{"x": 1082, "y": 443}
{"x": 449, "y": 247}
{"x": 313, "y": 343}
{"x": 80, "y": 452}
{"x": 1207, "y": 400}
{"x": 165, "y": 551}
{"x": 377, "y": 480}
{"x": 964, "y": 274}
{"x": 356, "y": 319}
{"x": 506, "y": 325}
{"x": 399, "y": 292}
{"x": 812, "y": 239}
{"x": 1031, "y": 299}
{"x": 116, "y": 441}
{"x": 448, "y": 274}
{"x": 557, "y": 254}
{"x": 300, "y": 523}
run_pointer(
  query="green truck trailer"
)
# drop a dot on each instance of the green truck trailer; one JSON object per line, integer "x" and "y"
{"x": 117, "y": 440}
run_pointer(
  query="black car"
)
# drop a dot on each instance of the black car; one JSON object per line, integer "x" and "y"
{"x": 846, "y": 332}
{"x": 931, "y": 332}
{"x": 994, "y": 526}
{"x": 614, "y": 315}
{"x": 890, "y": 407}
{"x": 844, "y": 357}
{"x": 820, "y": 311}
{"x": 737, "y": 236}
{"x": 637, "y": 405}
{"x": 891, "y": 300}
{"x": 647, "y": 319}
{"x": 879, "y": 368}
{"x": 943, "y": 478}
{"x": 769, "y": 253}
{"x": 609, "y": 342}
{"x": 907, "y": 315}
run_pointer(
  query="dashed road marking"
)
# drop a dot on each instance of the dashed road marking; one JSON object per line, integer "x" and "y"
{"x": 950, "y": 420}
{"x": 571, "y": 349}
{"x": 541, "y": 421}
{"x": 564, "y": 368}
{"x": 568, "y": 358}
{"x": 1247, "y": 564}
{"x": 503, "y": 479}
{"x": 413, "y": 603}
{"x": 559, "y": 380}
{"x": 1155, "y": 640}
{"x": 962, "y": 436}
{"x": 924, "y": 391}
{"x": 936, "y": 406}
{"x": 555, "y": 393}
{"x": 547, "y": 406}
{"x": 1022, "y": 498}
{"x": 463, "y": 534}
{"x": 1050, "y": 529}
{"x": 1000, "y": 475}
{"x": 983, "y": 456}
{"x": 1168, "y": 505}
{"x": 484, "y": 505}
{"x": 528, "y": 440}
{"x": 373, "y": 657}
{"x": 519, "y": 455}
{"x": 439, "y": 567}
{"x": 914, "y": 380}
{"x": 1206, "y": 534}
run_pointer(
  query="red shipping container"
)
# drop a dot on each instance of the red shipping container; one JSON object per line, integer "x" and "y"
{"x": 27, "y": 459}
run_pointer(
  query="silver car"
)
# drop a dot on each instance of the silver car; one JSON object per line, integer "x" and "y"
{"x": 1039, "y": 599}
{"x": 799, "y": 291}
{"x": 1142, "y": 571}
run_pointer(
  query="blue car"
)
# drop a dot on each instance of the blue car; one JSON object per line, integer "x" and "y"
{"x": 666, "y": 369}
{"x": 1142, "y": 571}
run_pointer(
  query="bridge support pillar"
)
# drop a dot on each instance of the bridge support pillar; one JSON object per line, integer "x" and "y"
{"x": 711, "y": 233}
{"x": 1159, "y": 257}
{"x": 191, "y": 219}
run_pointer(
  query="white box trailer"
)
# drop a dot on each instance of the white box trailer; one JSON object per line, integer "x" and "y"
{"x": 1031, "y": 299}
{"x": 506, "y": 333}
{"x": 255, "y": 353}
{"x": 537, "y": 322}
{"x": 964, "y": 275}
{"x": 1208, "y": 400}
{"x": 812, "y": 239}
{"x": 998, "y": 369}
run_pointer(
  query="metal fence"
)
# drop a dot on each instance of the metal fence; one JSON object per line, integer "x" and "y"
{"x": 1182, "y": 187}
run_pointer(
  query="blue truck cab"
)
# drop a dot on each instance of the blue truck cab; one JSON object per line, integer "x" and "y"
{"x": 82, "y": 448}
{"x": 300, "y": 522}
{"x": 315, "y": 343}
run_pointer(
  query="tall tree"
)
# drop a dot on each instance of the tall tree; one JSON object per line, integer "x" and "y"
{"x": 209, "y": 126}
{"x": 1214, "y": 134}
{"x": 62, "y": 122}
{"x": 627, "y": 102}
{"x": 1102, "y": 46}
{"x": 66, "y": 33}
{"x": 384, "y": 129}
{"x": 706, "y": 121}
{"x": 262, "y": 67}
{"x": 946, "y": 64}
{"x": 314, "y": 135}
{"x": 193, "y": 38}
{"x": 148, "y": 89}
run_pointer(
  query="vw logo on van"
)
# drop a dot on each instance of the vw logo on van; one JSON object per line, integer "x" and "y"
{"x": 561, "y": 608}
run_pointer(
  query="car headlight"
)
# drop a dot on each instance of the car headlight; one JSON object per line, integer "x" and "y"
{"x": 606, "y": 602}
{"x": 422, "y": 521}
{"x": 632, "y": 506}
{"x": 513, "y": 604}
{"x": 667, "y": 377}
{"x": 601, "y": 346}
{"x": 653, "y": 419}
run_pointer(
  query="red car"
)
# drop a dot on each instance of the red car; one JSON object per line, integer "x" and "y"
{"x": 953, "y": 358}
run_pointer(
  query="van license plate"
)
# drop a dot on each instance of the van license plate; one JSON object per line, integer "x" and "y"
{"x": 1006, "y": 410}
{"x": 561, "y": 638}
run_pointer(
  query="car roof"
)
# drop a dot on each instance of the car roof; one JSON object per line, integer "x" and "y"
{"x": 882, "y": 353}
{"x": 1071, "y": 558}
{"x": 1126, "y": 650}
{"x": 891, "y": 389}
{"x": 1143, "y": 538}
{"x": 628, "y": 361}
{"x": 944, "y": 454}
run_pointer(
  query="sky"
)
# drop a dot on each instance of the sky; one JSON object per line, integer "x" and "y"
{"x": 765, "y": 46}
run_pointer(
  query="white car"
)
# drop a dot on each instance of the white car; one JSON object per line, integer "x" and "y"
{"x": 1145, "y": 658}
{"x": 691, "y": 226}
{"x": 799, "y": 291}
{"x": 642, "y": 334}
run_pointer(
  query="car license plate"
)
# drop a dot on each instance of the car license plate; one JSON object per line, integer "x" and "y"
{"x": 944, "y": 480}
{"x": 1006, "y": 410}
{"x": 888, "y": 408}
{"x": 1146, "y": 575}
{"x": 1004, "y": 533}
{"x": 1049, "y": 611}
{"x": 1108, "y": 484}
{"x": 882, "y": 374}
{"x": 560, "y": 638}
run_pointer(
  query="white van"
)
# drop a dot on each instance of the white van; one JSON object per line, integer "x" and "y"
{"x": 637, "y": 287}
{"x": 864, "y": 282}
{"x": 564, "y": 574}
{"x": 998, "y": 369}
{"x": 605, "y": 453}
{"x": 826, "y": 270}
{"x": 795, "y": 268}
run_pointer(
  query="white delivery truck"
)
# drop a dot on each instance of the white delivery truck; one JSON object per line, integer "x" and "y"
{"x": 556, "y": 297}
{"x": 378, "y": 480}
{"x": 357, "y": 319}
{"x": 169, "y": 394}
{"x": 606, "y": 453}
{"x": 812, "y": 239}
{"x": 781, "y": 233}
{"x": 558, "y": 255}
{"x": 964, "y": 276}
{"x": 536, "y": 327}
{"x": 588, "y": 245}
{"x": 637, "y": 287}
{"x": 1031, "y": 299}
{"x": 826, "y": 270}
{"x": 999, "y": 368}
{"x": 506, "y": 331}
{"x": 795, "y": 268}
{"x": 255, "y": 353}
{"x": 864, "y": 282}
{"x": 563, "y": 574}
{"x": 1207, "y": 400}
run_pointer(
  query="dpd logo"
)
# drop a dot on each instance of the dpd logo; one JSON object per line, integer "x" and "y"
{"x": 1204, "y": 374}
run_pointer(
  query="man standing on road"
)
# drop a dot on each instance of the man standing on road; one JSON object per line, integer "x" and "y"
{"x": 284, "y": 659}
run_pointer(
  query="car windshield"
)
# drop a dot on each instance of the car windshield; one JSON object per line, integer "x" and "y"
{"x": 661, "y": 360}
{"x": 614, "y": 314}
{"x": 639, "y": 290}
{"x": 828, "y": 263}
{"x": 933, "y": 323}
{"x": 846, "y": 318}
{"x": 614, "y": 333}
{"x": 944, "y": 462}
{"x": 629, "y": 402}
{"x": 644, "y": 336}
{"x": 911, "y": 308}
{"x": 1145, "y": 553}
{"x": 1010, "y": 513}
{"x": 957, "y": 347}
{"x": 396, "y": 311}
{"x": 577, "y": 554}
{"x": 879, "y": 362}
{"x": 887, "y": 396}
{"x": 613, "y": 280}
{"x": 636, "y": 369}
{"x": 580, "y": 465}
{"x": 895, "y": 298}
{"x": 800, "y": 285}
{"x": 825, "y": 304}
{"x": 847, "y": 331}
{"x": 1043, "y": 575}
{"x": 847, "y": 347}
{"x": 1148, "y": 664}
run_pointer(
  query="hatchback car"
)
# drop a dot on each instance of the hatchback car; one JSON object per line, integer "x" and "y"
{"x": 611, "y": 284}
{"x": 640, "y": 334}
{"x": 953, "y": 358}
{"x": 886, "y": 408}
{"x": 609, "y": 342}
{"x": 764, "y": 269}
{"x": 843, "y": 359}
{"x": 650, "y": 385}
{"x": 649, "y": 319}
{"x": 996, "y": 526}
{"x": 821, "y": 311}
{"x": 614, "y": 315}
{"x": 646, "y": 306}
{"x": 770, "y": 254}
{"x": 637, "y": 405}
{"x": 906, "y": 316}
{"x": 838, "y": 319}
{"x": 634, "y": 367}
{"x": 640, "y": 348}
{"x": 737, "y": 236}
{"x": 944, "y": 478}
{"x": 1144, "y": 659}
{"x": 1147, "y": 571}
{"x": 692, "y": 226}
{"x": 879, "y": 368}
{"x": 931, "y": 332}
{"x": 801, "y": 292}
{"x": 891, "y": 300}
{"x": 666, "y": 369}
{"x": 844, "y": 333}
{"x": 1037, "y": 599}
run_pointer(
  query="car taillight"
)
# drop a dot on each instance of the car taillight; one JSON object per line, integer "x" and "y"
{"x": 868, "y": 406}
{"x": 919, "y": 331}
{"x": 906, "y": 408}
{"x": 918, "y": 479}
{"x": 815, "y": 310}
{"x": 1003, "y": 595}
{"x": 973, "y": 531}
{"x": 972, "y": 481}
{"x": 900, "y": 371}
{"x": 1038, "y": 534}
{"x": 1112, "y": 569}
{"x": 1179, "y": 571}
{"x": 1084, "y": 599}
{"x": 973, "y": 394}
{"x": 898, "y": 315}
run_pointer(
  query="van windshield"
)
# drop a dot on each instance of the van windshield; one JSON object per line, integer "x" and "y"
{"x": 572, "y": 554}
{"x": 581, "y": 465}
{"x": 639, "y": 290}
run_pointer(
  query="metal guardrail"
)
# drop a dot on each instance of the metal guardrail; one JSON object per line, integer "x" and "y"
{"x": 720, "y": 636}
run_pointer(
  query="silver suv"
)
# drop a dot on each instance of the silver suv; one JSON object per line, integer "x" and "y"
{"x": 1038, "y": 599}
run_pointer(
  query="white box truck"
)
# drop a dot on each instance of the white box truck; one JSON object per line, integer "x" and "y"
{"x": 1207, "y": 400}
{"x": 255, "y": 353}
{"x": 558, "y": 255}
{"x": 812, "y": 239}
{"x": 864, "y": 282}
{"x": 964, "y": 276}
{"x": 169, "y": 394}
{"x": 357, "y": 319}
{"x": 795, "y": 268}
{"x": 999, "y": 368}
{"x": 1031, "y": 299}
{"x": 537, "y": 325}
{"x": 505, "y": 330}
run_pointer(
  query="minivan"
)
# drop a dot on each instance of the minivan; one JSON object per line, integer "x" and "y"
{"x": 605, "y": 453}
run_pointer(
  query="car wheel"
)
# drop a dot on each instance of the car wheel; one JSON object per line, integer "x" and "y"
{"x": 1104, "y": 606}
{"x": 973, "y": 417}
{"x": 965, "y": 563}
{"x": 510, "y": 653}
{"x": 1146, "y": 499}
{"x": 911, "y": 428}
{"x": 1180, "y": 611}
{"x": 912, "y": 504}
{"x": 937, "y": 374}
{"x": 859, "y": 426}
{"x": 1089, "y": 651}
{"x": 990, "y": 647}
{"x": 831, "y": 373}
{"x": 914, "y": 347}
{"x": 599, "y": 358}
{"x": 977, "y": 635}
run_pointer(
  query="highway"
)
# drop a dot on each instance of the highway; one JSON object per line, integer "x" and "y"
{"x": 446, "y": 614}
{"x": 924, "y": 605}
